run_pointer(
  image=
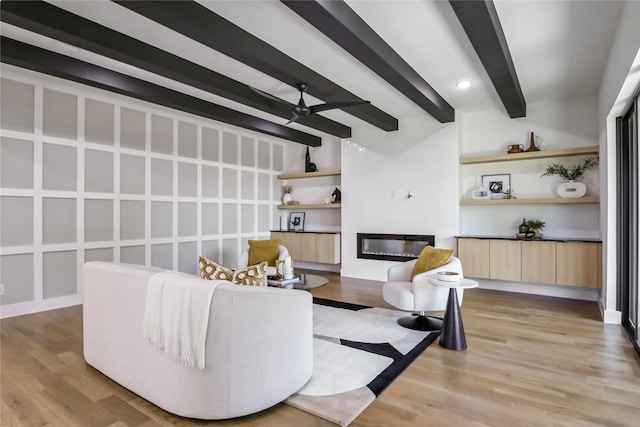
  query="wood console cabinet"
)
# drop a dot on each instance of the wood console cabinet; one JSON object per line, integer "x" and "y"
{"x": 534, "y": 261}
{"x": 311, "y": 247}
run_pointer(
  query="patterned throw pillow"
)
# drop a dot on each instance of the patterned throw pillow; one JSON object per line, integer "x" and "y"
{"x": 211, "y": 270}
{"x": 254, "y": 275}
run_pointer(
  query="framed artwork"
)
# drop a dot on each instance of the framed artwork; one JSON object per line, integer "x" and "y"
{"x": 296, "y": 221}
{"x": 496, "y": 184}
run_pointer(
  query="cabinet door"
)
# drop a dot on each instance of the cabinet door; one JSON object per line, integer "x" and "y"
{"x": 505, "y": 260}
{"x": 539, "y": 262}
{"x": 578, "y": 264}
{"x": 328, "y": 248}
{"x": 474, "y": 256}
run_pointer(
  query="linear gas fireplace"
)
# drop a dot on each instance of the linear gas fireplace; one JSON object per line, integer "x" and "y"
{"x": 392, "y": 247}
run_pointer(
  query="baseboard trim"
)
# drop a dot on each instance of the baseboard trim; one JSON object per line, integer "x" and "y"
{"x": 612, "y": 317}
{"x": 29, "y": 307}
{"x": 585, "y": 294}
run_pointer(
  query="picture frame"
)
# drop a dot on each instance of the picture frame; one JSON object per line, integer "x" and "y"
{"x": 296, "y": 221}
{"x": 496, "y": 184}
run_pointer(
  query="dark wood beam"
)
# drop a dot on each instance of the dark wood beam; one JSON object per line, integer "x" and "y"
{"x": 51, "y": 21}
{"x": 482, "y": 25}
{"x": 201, "y": 24}
{"x": 34, "y": 58}
{"x": 340, "y": 23}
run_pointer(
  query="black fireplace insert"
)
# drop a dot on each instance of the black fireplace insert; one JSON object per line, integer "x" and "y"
{"x": 393, "y": 247}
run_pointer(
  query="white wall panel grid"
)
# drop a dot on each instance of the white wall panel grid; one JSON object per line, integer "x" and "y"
{"x": 89, "y": 175}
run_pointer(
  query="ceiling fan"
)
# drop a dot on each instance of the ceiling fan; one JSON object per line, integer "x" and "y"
{"x": 301, "y": 109}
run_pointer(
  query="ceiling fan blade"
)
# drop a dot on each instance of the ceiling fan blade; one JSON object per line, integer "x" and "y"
{"x": 293, "y": 119}
{"x": 268, "y": 95}
{"x": 332, "y": 105}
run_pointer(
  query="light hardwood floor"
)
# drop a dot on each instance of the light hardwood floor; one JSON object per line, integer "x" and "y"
{"x": 531, "y": 361}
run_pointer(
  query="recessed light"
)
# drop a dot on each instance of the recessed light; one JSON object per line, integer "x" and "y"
{"x": 463, "y": 84}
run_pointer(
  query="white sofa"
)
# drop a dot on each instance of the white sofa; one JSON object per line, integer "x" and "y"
{"x": 259, "y": 346}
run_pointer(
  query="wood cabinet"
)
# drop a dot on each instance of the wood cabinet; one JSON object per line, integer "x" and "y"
{"x": 539, "y": 262}
{"x": 311, "y": 247}
{"x": 475, "y": 253}
{"x": 505, "y": 260}
{"x": 533, "y": 261}
{"x": 578, "y": 264}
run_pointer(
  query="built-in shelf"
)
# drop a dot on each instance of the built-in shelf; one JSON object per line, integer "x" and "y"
{"x": 530, "y": 155}
{"x": 318, "y": 206}
{"x": 333, "y": 172}
{"x": 532, "y": 201}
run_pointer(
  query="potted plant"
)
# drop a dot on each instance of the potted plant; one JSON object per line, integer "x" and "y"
{"x": 570, "y": 188}
{"x": 534, "y": 226}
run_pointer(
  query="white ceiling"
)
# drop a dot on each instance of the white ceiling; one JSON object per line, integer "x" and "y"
{"x": 559, "y": 49}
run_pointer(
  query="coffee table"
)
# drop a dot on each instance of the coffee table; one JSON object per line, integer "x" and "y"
{"x": 307, "y": 282}
{"x": 452, "y": 336}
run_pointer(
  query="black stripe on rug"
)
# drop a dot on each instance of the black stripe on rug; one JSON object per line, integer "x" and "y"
{"x": 400, "y": 361}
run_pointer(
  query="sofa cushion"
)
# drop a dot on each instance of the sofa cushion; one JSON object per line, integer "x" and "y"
{"x": 211, "y": 270}
{"x": 264, "y": 250}
{"x": 254, "y": 275}
{"x": 431, "y": 258}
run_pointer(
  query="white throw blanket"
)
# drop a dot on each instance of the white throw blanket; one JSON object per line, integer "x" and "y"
{"x": 176, "y": 316}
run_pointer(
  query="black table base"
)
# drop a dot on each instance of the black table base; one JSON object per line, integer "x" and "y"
{"x": 452, "y": 336}
{"x": 421, "y": 323}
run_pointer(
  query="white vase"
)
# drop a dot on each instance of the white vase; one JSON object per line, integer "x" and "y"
{"x": 572, "y": 189}
{"x": 286, "y": 198}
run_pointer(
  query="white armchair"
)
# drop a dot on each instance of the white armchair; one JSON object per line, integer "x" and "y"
{"x": 418, "y": 295}
{"x": 243, "y": 260}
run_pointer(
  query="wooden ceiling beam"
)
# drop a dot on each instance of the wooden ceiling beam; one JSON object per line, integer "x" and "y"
{"x": 480, "y": 21}
{"x": 54, "y": 22}
{"x": 336, "y": 20}
{"x": 204, "y": 26}
{"x": 41, "y": 60}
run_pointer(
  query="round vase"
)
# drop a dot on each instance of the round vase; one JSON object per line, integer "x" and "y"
{"x": 286, "y": 198}
{"x": 572, "y": 189}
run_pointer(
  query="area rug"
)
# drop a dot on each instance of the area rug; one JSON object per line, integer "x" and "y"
{"x": 357, "y": 352}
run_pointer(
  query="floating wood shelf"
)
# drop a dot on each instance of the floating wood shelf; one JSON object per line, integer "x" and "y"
{"x": 333, "y": 172}
{"x": 532, "y": 201}
{"x": 530, "y": 155}
{"x": 319, "y": 206}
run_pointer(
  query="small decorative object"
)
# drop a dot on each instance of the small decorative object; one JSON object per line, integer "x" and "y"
{"x": 532, "y": 143}
{"x": 308, "y": 166}
{"x": 480, "y": 194}
{"x": 530, "y": 229}
{"x": 288, "y": 268}
{"x": 496, "y": 184}
{"x": 296, "y": 221}
{"x": 508, "y": 194}
{"x": 336, "y": 196}
{"x": 448, "y": 276}
{"x": 572, "y": 189}
{"x": 287, "y": 198}
{"x": 283, "y": 222}
{"x": 523, "y": 227}
{"x": 515, "y": 148}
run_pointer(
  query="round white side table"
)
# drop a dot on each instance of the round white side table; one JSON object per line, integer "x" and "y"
{"x": 452, "y": 336}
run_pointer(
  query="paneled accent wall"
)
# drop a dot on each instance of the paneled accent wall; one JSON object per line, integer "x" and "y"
{"x": 86, "y": 175}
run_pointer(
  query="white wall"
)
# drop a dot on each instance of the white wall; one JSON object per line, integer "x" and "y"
{"x": 621, "y": 77}
{"x": 110, "y": 178}
{"x": 379, "y": 169}
{"x": 561, "y": 124}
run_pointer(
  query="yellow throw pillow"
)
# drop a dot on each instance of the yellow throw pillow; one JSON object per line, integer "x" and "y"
{"x": 254, "y": 275}
{"x": 264, "y": 250}
{"x": 211, "y": 270}
{"x": 431, "y": 258}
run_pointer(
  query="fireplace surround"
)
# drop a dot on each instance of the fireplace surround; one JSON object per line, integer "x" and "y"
{"x": 392, "y": 247}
